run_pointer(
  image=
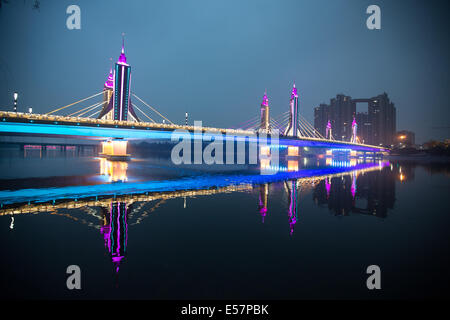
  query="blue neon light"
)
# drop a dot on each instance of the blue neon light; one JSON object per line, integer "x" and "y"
{"x": 107, "y": 132}
{"x": 190, "y": 183}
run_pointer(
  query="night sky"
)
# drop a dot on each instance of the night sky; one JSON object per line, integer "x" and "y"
{"x": 214, "y": 59}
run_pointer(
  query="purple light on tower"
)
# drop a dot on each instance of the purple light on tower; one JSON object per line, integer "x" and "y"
{"x": 110, "y": 81}
{"x": 265, "y": 113}
{"x": 354, "y": 130}
{"x": 122, "y": 78}
{"x": 328, "y": 133}
{"x": 294, "y": 92}
{"x": 122, "y": 57}
{"x": 265, "y": 101}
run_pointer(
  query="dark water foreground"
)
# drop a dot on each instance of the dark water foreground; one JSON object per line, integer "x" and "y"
{"x": 147, "y": 229}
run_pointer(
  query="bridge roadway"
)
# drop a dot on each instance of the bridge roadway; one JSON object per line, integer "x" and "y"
{"x": 12, "y": 123}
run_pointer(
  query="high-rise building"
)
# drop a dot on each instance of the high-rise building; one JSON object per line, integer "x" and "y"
{"x": 321, "y": 117}
{"x": 364, "y": 127}
{"x": 377, "y": 126}
{"x": 382, "y": 116}
{"x": 342, "y": 110}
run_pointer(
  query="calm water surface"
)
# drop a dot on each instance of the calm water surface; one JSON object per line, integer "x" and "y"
{"x": 147, "y": 229}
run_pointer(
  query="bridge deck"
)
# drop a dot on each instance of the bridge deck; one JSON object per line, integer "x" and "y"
{"x": 41, "y": 124}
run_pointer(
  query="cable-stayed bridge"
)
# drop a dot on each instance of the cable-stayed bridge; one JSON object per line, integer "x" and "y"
{"x": 119, "y": 114}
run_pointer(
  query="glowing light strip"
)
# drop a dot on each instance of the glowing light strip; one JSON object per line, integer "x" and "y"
{"x": 121, "y": 94}
{"x": 193, "y": 183}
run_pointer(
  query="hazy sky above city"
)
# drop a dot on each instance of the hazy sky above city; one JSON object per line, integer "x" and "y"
{"x": 214, "y": 59}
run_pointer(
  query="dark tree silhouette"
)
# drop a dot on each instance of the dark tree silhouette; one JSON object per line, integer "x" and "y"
{"x": 36, "y": 4}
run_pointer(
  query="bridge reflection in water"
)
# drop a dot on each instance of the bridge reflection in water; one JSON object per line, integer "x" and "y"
{"x": 343, "y": 192}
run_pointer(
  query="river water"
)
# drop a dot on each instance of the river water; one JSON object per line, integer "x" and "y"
{"x": 148, "y": 229}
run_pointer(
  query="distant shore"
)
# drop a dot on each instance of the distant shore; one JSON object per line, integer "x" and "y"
{"x": 420, "y": 157}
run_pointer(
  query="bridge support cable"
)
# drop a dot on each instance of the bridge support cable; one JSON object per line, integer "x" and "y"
{"x": 137, "y": 108}
{"x": 87, "y": 109}
{"x": 146, "y": 104}
{"x": 94, "y": 95}
{"x": 276, "y": 125}
{"x": 283, "y": 119}
{"x": 311, "y": 128}
{"x": 252, "y": 124}
{"x": 97, "y": 112}
{"x": 306, "y": 130}
{"x": 93, "y": 108}
{"x": 246, "y": 123}
{"x": 316, "y": 134}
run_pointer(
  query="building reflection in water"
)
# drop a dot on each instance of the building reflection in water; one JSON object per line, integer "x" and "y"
{"x": 359, "y": 192}
{"x": 115, "y": 231}
{"x": 369, "y": 190}
{"x": 344, "y": 193}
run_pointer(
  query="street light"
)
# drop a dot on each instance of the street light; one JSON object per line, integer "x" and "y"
{"x": 30, "y": 110}
{"x": 16, "y": 95}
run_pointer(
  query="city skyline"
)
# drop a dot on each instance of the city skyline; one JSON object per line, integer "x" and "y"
{"x": 377, "y": 125}
{"x": 213, "y": 74}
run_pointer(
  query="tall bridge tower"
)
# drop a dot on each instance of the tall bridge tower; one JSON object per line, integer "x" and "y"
{"x": 265, "y": 126}
{"x": 118, "y": 88}
{"x": 108, "y": 90}
{"x": 354, "y": 131}
{"x": 292, "y": 129}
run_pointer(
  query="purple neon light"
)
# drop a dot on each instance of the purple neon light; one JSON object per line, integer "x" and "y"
{"x": 328, "y": 186}
{"x": 121, "y": 94}
{"x": 265, "y": 101}
{"x": 122, "y": 57}
{"x": 110, "y": 81}
{"x": 353, "y": 187}
{"x": 292, "y": 207}
{"x": 294, "y": 92}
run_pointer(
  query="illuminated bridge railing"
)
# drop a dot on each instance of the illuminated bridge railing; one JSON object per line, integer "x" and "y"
{"x": 27, "y": 117}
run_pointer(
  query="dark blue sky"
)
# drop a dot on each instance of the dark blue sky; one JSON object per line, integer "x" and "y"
{"x": 215, "y": 58}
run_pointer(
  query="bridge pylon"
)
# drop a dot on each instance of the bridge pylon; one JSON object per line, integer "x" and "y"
{"x": 328, "y": 131}
{"x": 265, "y": 124}
{"x": 117, "y": 98}
{"x": 292, "y": 129}
{"x": 354, "y": 131}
